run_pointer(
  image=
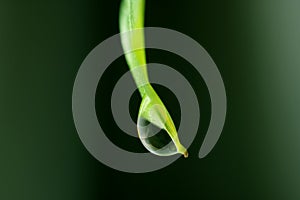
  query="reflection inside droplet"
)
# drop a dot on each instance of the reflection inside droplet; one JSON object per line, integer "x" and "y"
{"x": 155, "y": 140}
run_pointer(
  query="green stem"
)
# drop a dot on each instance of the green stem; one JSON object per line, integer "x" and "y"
{"x": 132, "y": 18}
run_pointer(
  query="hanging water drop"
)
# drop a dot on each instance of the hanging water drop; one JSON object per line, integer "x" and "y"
{"x": 155, "y": 140}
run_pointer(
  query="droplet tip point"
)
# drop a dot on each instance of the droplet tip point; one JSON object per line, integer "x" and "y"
{"x": 186, "y": 154}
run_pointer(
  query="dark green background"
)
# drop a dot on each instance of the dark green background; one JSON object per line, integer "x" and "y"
{"x": 255, "y": 44}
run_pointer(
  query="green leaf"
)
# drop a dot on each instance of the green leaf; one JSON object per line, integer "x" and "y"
{"x": 152, "y": 108}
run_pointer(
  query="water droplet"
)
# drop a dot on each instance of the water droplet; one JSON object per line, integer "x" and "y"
{"x": 155, "y": 140}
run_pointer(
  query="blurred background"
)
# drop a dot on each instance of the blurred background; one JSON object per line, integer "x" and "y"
{"x": 256, "y": 46}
